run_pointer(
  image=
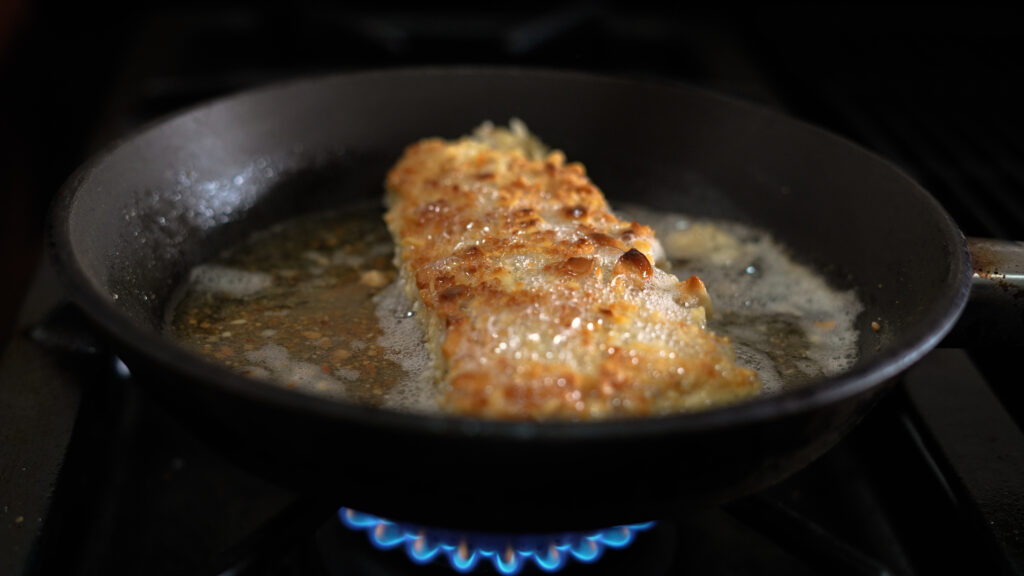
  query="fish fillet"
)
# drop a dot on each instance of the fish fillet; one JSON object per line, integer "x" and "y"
{"x": 536, "y": 301}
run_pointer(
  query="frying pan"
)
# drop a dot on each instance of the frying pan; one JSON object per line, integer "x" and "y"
{"x": 129, "y": 224}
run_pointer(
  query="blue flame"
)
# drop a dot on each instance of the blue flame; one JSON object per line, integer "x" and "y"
{"x": 507, "y": 553}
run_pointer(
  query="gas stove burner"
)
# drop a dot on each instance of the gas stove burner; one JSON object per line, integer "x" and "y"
{"x": 509, "y": 554}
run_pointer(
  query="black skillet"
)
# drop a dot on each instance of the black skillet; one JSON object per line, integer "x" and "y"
{"x": 130, "y": 223}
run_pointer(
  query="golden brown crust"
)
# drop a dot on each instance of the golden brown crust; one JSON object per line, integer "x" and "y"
{"x": 537, "y": 301}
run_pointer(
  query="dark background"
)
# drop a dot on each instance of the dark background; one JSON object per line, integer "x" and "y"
{"x": 78, "y": 75}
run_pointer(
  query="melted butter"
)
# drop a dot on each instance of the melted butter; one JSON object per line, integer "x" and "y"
{"x": 784, "y": 320}
{"x": 311, "y": 305}
{"x": 294, "y": 305}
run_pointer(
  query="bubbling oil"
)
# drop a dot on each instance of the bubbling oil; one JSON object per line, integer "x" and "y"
{"x": 312, "y": 304}
{"x": 783, "y": 318}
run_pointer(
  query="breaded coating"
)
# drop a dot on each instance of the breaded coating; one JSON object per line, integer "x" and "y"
{"x": 536, "y": 301}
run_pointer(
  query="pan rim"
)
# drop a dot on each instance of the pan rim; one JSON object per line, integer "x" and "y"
{"x": 168, "y": 354}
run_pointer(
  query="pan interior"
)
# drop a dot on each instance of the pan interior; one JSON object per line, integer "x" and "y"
{"x": 313, "y": 305}
{"x": 140, "y": 216}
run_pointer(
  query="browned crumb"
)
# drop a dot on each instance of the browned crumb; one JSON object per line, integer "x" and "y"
{"x": 374, "y": 278}
{"x": 537, "y": 301}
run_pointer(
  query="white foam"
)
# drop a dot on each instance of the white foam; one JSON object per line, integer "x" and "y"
{"x": 304, "y": 376}
{"x": 749, "y": 274}
{"x": 229, "y": 281}
{"x": 402, "y": 340}
{"x": 343, "y": 257}
{"x": 347, "y": 374}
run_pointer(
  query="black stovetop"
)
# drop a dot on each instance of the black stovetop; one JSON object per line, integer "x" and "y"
{"x": 97, "y": 479}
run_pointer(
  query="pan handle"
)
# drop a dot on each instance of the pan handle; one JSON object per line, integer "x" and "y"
{"x": 994, "y": 315}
